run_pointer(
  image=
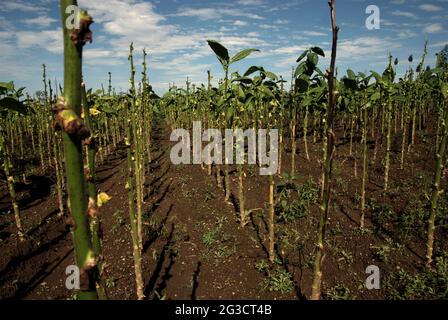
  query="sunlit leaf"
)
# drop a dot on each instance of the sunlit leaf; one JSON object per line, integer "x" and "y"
{"x": 221, "y": 52}
{"x": 243, "y": 54}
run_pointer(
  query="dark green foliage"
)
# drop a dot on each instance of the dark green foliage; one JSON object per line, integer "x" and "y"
{"x": 339, "y": 292}
{"x": 278, "y": 281}
{"x": 294, "y": 200}
{"x": 426, "y": 284}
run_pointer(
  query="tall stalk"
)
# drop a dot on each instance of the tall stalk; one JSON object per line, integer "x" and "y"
{"x": 437, "y": 189}
{"x": 93, "y": 210}
{"x": 11, "y": 189}
{"x": 305, "y": 132}
{"x": 132, "y": 176}
{"x": 389, "y": 125}
{"x": 319, "y": 257}
{"x": 364, "y": 166}
{"x": 68, "y": 116}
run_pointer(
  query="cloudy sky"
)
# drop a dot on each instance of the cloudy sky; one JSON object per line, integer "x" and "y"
{"x": 175, "y": 33}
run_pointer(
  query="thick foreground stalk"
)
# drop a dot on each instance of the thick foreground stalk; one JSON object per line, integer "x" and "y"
{"x": 68, "y": 114}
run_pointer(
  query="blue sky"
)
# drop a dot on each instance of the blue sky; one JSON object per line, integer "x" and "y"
{"x": 175, "y": 33}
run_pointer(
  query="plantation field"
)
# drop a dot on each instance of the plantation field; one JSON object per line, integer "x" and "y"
{"x": 193, "y": 243}
{"x": 330, "y": 185}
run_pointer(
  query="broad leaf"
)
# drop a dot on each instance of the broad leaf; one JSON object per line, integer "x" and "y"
{"x": 243, "y": 54}
{"x": 271, "y": 75}
{"x": 8, "y": 86}
{"x": 245, "y": 80}
{"x": 313, "y": 58}
{"x": 252, "y": 70}
{"x": 319, "y": 51}
{"x": 375, "y": 96}
{"x": 221, "y": 52}
{"x": 301, "y": 85}
{"x": 351, "y": 74}
{"x": 445, "y": 90}
{"x": 13, "y": 104}
{"x": 303, "y": 55}
{"x": 350, "y": 83}
{"x": 301, "y": 68}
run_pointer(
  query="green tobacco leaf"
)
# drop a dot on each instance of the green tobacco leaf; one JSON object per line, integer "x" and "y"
{"x": 271, "y": 75}
{"x": 12, "y": 104}
{"x": 301, "y": 68}
{"x": 229, "y": 114}
{"x": 221, "y": 52}
{"x": 319, "y": 51}
{"x": 302, "y": 85}
{"x": 400, "y": 98}
{"x": 319, "y": 72}
{"x": 375, "y": 96}
{"x": 268, "y": 92}
{"x": 350, "y": 83}
{"x": 243, "y": 54}
{"x": 8, "y": 86}
{"x": 351, "y": 74}
{"x": 303, "y": 55}
{"x": 245, "y": 80}
{"x": 252, "y": 70}
{"x": 445, "y": 90}
{"x": 313, "y": 58}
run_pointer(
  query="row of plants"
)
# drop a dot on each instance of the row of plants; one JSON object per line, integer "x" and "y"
{"x": 72, "y": 130}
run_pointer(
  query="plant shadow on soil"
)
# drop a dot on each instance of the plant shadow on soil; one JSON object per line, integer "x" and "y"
{"x": 182, "y": 204}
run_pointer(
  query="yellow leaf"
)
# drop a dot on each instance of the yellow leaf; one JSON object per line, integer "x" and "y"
{"x": 94, "y": 112}
{"x": 103, "y": 198}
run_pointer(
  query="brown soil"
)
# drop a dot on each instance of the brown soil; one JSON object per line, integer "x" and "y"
{"x": 184, "y": 204}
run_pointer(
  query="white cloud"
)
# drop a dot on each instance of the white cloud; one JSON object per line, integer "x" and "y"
{"x": 406, "y": 34}
{"x": 404, "y": 14}
{"x": 21, "y": 6}
{"x": 50, "y": 40}
{"x": 429, "y": 7}
{"x": 433, "y": 28}
{"x": 250, "y": 2}
{"x": 362, "y": 47}
{"x": 215, "y": 13}
{"x": 281, "y": 21}
{"x": 313, "y": 33}
{"x": 440, "y": 44}
{"x": 240, "y": 23}
{"x": 40, "y": 21}
{"x": 291, "y": 49}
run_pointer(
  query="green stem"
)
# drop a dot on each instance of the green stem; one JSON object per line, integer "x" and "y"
{"x": 85, "y": 258}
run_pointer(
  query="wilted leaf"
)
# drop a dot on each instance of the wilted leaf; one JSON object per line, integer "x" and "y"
{"x": 94, "y": 112}
{"x": 103, "y": 198}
